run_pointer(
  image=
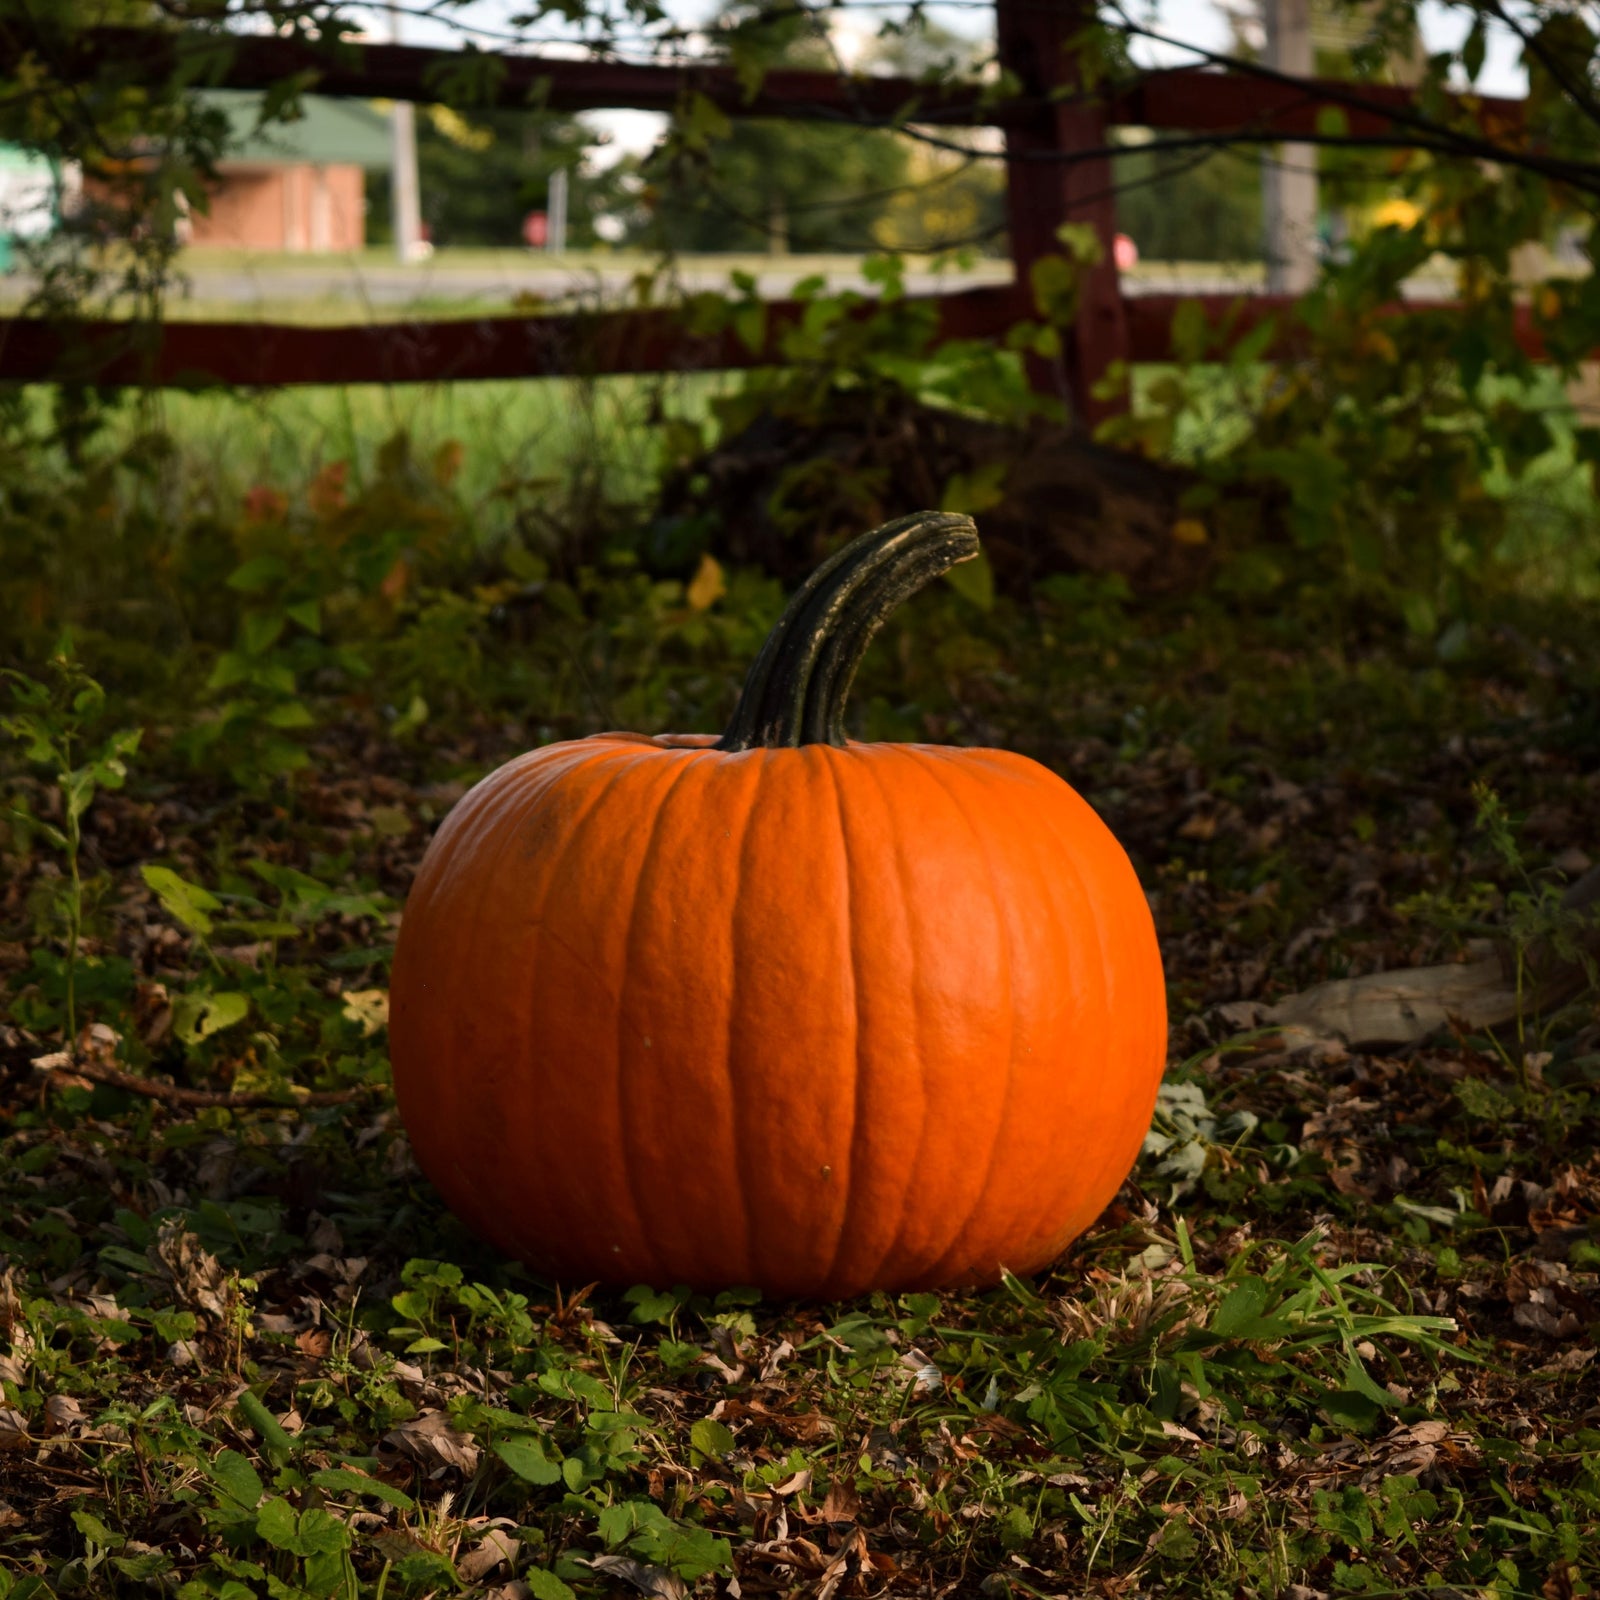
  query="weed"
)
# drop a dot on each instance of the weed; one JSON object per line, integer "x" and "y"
{"x": 51, "y": 722}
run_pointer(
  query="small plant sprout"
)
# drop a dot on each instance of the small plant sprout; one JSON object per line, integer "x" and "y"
{"x": 52, "y": 721}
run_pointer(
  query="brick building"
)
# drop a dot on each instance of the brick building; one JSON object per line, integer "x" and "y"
{"x": 293, "y": 186}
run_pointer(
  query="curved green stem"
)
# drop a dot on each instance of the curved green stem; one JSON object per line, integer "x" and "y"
{"x": 796, "y": 688}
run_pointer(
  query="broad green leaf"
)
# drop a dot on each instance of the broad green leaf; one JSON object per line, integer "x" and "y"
{"x": 543, "y": 1584}
{"x": 234, "y": 1475}
{"x": 231, "y": 668}
{"x": 260, "y": 630}
{"x": 711, "y": 1438}
{"x": 369, "y": 1008}
{"x": 91, "y": 1527}
{"x": 197, "y": 1016}
{"x": 971, "y": 492}
{"x": 322, "y": 1533}
{"x": 259, "y": 573}
{"x": 277, "y": 1524}
{"x": 529, "y": 1457}
{"x": 186, "y": 902}
{"x": 341, "y": 1480}
{"x": 1241, "y": 1307}
{"x": 290, "y": 714}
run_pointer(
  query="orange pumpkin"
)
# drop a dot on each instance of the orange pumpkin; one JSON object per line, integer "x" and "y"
{"x": 781, "y": 1008}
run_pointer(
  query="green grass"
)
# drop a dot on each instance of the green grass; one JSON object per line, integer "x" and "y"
{"x": 544, "y": 430}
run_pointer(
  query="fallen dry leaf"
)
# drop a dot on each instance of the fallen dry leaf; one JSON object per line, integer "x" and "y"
{"x": 646, "y": 1579}
{"x": 62, "y": 1413}
{"x": 195, "y": 1274}
{"x": 431, "y": 1441}
{"x": 496, "y": 1548}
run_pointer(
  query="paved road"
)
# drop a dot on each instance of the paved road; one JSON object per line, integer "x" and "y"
{"x": 364, "y": 284}
{"x": 360, "y": 288}
{"x": 388, "y": 286}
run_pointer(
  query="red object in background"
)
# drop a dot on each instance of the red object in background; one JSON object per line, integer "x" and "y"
{"x": 1124, "y": 252}
{"x": 536, "y": 230}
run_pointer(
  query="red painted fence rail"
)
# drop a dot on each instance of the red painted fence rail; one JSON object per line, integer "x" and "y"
{"x": 1058, "y": 171}
{"x": 257, "y": 355}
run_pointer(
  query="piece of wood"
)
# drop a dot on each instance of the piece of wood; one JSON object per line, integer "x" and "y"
{"x": 196, "y": 355}
{"x": 1408, "y": 1005}
{"x": 1049, "y": 183}
{"x": 1192, "y": 99}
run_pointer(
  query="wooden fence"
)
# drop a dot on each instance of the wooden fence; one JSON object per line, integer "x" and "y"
{"x": 1058, "y": 152}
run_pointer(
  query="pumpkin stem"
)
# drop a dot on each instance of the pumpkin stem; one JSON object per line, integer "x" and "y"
{"x": 796, "y": 688}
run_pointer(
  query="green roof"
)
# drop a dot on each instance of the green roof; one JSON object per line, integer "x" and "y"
{"x": 14, "y": 157}
{"x": 329, "y": 133}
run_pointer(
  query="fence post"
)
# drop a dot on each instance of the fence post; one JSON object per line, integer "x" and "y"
{"x": 1034, "y": 39}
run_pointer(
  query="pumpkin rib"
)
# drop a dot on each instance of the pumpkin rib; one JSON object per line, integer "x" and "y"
{"x": 426, "y": 889}
{"x": 870, "y": 766}
{"x": 524, "y": 1107}
{"x": 791, "y": 914}
{"x": 658, "y": 800}
{"x": 519, "y": 1092}
{"x": 931, "y": 1090}
{"x": 950, "y": 1096}
{"x": 739, "y": 1091}
{"x": 597, "y": 772}
{"x": 1070, "y": 852}
{"x": 512, "y": 1079}
{"x": 936, "y": 1271}
{"x": 1113, "y": 1165}
{"x": 852, "y": 1175}
{"x": 704, "y": 1232}
{"x": 1064, "y": 864}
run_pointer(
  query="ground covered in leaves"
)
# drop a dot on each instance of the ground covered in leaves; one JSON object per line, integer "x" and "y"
{"x": 1336, "y": 1335}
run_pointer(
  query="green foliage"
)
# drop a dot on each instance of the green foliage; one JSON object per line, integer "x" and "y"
{"x": 1176, "y": 208}
{"x": 48, "y": 721}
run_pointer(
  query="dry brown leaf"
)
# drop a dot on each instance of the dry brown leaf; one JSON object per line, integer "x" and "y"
{"x": 649, "y": 1580}
{"x": 13, "y": 1429}
{"x": 315, "y": 1342}
{"x": 62, "y": 1413}
{"x": 497, "y": 1548}
{"x": 1569, "y": 1361}
{"x": 431, "y": 1441}
{"x": 842, "y": 1503}
{"x": 1542, "y": 1319}
{"x": 1430, "y": 1432}
{"x": 196, "y": 1276}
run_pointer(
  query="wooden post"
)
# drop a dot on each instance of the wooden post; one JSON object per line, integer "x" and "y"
{"x": 1035, "y": 39}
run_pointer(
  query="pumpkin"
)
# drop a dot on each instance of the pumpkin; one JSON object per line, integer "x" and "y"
{"x": 780, "y": 1008}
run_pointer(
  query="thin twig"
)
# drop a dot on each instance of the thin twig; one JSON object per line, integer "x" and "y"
{"x": 175, "y": 1094}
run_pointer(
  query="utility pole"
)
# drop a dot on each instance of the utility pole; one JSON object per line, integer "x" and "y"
{"x": 556, "y": 239}
{"x": 404, "y": 193}
{"x": 1289, "y": 183}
